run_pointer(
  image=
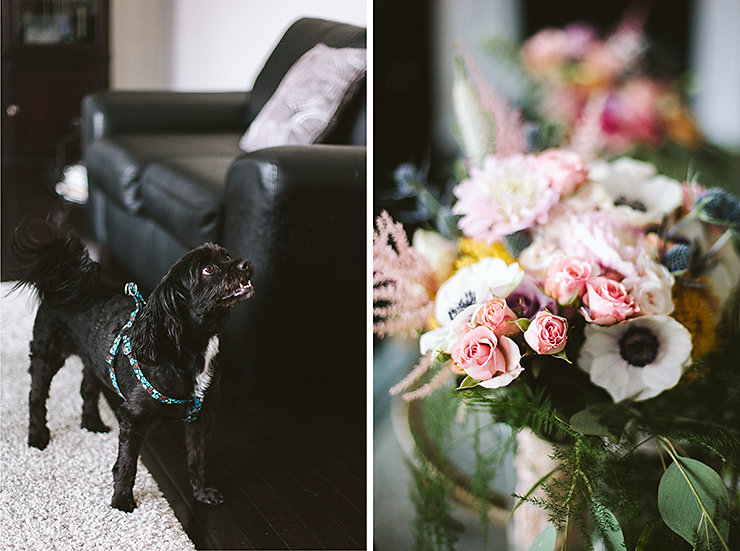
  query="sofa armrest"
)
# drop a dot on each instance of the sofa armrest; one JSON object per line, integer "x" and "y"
{"x": 298, "y": 213}
{"x": 294, "y": 191}
{"x": 120, "y": 112}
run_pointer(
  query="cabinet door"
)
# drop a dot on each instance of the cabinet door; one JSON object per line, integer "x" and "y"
{"x": 42, "y": 102}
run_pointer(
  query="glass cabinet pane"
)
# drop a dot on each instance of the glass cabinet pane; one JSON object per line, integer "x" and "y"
{"x": 57, "y": 21}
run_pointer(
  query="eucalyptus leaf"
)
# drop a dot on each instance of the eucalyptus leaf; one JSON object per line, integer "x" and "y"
{"x": 693, "y": 502}
{"x": 587, "y": 422}
{"x": 546, "y": 541}
{"x": 613, "y": 536}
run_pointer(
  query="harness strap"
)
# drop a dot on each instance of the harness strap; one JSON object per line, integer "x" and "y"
{"x": 195, "y": 403}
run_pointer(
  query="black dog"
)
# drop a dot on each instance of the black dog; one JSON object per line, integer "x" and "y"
{"x": 170, "y": 341}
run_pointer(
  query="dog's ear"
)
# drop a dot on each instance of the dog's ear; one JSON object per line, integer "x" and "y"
{"x": 159, "y": 327}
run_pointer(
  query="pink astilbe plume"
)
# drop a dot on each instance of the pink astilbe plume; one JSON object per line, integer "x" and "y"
{"x": 425, "y": 364}
{"x": 510, "y": 132}
{"x": 403, "y": 282}
{"x": 586, "y": 137}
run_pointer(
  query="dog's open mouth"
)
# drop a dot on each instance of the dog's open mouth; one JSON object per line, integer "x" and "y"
{"x": 242, "y": 292}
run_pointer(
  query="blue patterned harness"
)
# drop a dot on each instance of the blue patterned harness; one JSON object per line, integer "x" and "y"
{"x": 194, "y": 404}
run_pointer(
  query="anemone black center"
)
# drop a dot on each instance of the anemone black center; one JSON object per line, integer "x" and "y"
{"x": 466, "y": 300}
{"x": 638, "y": 346}
{"x": 634, "y": 203}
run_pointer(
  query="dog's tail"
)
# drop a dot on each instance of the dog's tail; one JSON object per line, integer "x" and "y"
{"x": 56, "y": 263}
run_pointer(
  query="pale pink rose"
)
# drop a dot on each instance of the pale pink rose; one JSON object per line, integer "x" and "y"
{"x": 547, "y": 334}
{"x": 486, "y": 358}
{"x": 497, "y": 316}
{"x": 566, "y": 169}
{"x": 566, "y": 279}
{"x": 608, "y": 301}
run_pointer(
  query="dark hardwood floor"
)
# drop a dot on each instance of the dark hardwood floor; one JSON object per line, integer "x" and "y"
{"x": 291, "y": 462}
{"x": 292, "y": 471}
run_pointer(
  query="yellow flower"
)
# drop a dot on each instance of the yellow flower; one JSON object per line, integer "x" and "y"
{"x": 695, "y": 306}
{"x": 471, "y": 252}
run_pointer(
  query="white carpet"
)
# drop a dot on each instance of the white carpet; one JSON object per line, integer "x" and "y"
{"x": 59, "y": 498}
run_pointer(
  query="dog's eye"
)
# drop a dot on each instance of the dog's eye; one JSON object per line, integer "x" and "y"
{"x": 208, "y": 269}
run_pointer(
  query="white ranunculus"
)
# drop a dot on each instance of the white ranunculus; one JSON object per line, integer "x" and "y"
{"x": 652, "y": 286}
{"x": 438, "y": 251}
{"x": 474, "y": 284}
{"x": 638, "y": 358}
{"x": 652, "y": 297}
{"x": 637, "y": 193}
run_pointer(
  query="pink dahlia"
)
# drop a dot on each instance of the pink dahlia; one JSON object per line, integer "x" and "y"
{"x": 505, "y": 195}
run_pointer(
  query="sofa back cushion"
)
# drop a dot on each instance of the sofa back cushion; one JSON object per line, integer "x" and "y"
{"x": 300, "y": 37}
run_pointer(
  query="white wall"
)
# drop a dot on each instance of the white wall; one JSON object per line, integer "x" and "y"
{"x": 139, "y": 44}
{"x": 716, "y": 62}
{"x": 213, "y": 45}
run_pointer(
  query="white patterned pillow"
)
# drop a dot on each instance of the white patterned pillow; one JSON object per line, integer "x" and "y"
{"x": 305, "y": 105}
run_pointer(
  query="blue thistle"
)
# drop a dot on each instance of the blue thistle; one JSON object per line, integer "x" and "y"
{"x": 678, "y": 258}
{"x": 719, "y": 207}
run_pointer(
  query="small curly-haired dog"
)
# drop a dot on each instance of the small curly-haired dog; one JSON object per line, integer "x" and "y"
{"x": 165, "y": 363}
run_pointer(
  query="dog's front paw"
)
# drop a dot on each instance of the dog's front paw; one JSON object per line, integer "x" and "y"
{"x": 123, "y": 503}
{"x": 209, "y": 496}
{"x": 39, "y": 438}
{"x": 95, "y": 425}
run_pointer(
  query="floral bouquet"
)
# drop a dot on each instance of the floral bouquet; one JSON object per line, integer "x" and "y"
{"x": 577, "y": 71}
{"x": 591, "y": 302}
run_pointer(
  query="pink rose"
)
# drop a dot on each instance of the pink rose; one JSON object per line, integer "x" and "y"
{"x": 566, "y": 279}
{"x": 547, "y": 334}
{"x": 491, "y": 360}
{"x": 608, "y": 301}
{"x": 566, "y": 170}
{"x": 497, "y": 316}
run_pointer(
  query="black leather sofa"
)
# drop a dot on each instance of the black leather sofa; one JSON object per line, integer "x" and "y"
{"x": 166, "y": 174}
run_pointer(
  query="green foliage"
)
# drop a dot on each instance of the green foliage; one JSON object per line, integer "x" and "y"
{"x": 434, "y": 527}
{"x": 693, "y": 502}
{"x": 610, "y": 463}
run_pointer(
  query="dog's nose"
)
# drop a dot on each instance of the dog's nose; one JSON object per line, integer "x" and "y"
{"x": 243, "y": 265}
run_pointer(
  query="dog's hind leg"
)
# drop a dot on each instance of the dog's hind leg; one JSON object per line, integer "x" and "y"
{"x": 90, "y": 392}
{"x": 132, "y": 428}
{"x": 47, "y": 357}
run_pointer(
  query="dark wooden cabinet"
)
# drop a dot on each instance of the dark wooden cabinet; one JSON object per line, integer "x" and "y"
{"x": 54, "y": 52}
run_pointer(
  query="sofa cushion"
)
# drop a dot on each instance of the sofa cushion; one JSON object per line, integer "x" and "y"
{"x": 309, "y": 99}
{"x": 184, "y": 196}
{"x": 300, "y": 37}
{"x": 115, "y": 164}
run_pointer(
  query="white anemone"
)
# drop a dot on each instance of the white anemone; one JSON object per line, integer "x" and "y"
{"x": 638, "y": 194}
{"x": 636, "y": 359}
{"x": 474, "y": 284}
{"x": 459, "y": 297}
